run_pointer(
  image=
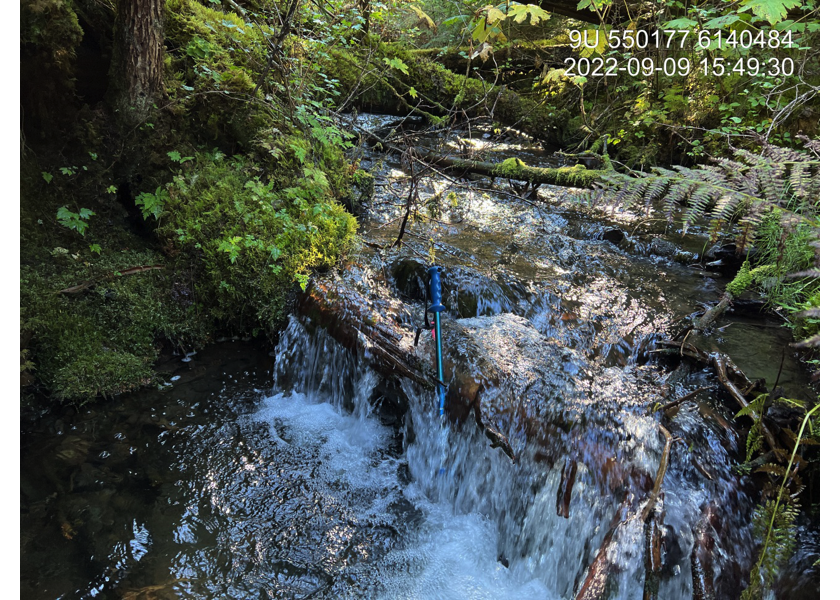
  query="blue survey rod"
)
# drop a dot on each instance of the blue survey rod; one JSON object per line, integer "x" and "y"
{"x": 436, "y": 308}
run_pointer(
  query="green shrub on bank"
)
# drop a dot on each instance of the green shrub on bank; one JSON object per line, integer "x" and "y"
{"x": 248, "y": 241}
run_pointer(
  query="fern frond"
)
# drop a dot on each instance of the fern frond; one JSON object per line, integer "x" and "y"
{"x": 772, "y": 469}
{"x": 740, "y": 192}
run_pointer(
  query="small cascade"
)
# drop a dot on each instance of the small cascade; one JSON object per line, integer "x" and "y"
{"x": 474, "y": 519}
{"x": 315, "y": 365}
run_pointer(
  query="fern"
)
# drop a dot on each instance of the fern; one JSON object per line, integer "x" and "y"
{"x": 774, "y": 521}
{"x": 754, "y": 409}
{"x": 740, "y": 192}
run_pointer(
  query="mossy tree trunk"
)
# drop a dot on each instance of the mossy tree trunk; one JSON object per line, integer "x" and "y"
{"x": 136, "y": 77}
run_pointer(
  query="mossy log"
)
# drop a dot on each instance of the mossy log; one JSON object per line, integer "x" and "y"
{"x": 364, "y": 325}
{"x": 425, "y": 83}
{"x": 513, "y": 168}
{"x": 526, "y": 56}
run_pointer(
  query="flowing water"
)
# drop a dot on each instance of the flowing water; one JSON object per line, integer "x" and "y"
{"x": 318, "y": 478}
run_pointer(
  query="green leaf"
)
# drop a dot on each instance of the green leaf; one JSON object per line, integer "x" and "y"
{"x": 680, "y": 24}
{"x": 174, "y": 156}
{"x": 771, "y": 11}
{"x": 590, "y": 47}
{"x": 47, "y": 177}
{"x": 398, "y": 64}
{"x": 455, "y": 19}
{"x": 95, "y": 248}
{"x": 63, "y": 214}
{"x": 412, "y": 92}
{"x": 111, "y": 189}
{"x": 721, "y": 22}
{"x": 86, "y": 213}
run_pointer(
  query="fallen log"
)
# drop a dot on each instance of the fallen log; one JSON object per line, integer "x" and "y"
{"x": 360, "y": 325}
{"x": 575, "y": 176}
{"x": 423, "y": 82}
{"x": 602, "y": 568}
{"x": 525, "y": 56}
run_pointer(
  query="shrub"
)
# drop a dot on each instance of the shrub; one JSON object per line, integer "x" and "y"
{"x": 251, "y": 241}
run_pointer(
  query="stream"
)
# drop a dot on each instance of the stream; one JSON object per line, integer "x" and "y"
{"x": 307, "y": 473}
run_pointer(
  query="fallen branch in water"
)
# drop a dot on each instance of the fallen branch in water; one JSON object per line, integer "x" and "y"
{"x": 496, "y": 437}
{"x": 711, "y": 315}
{"x": 702, "y": 570}
{"x": 660, "y": 473}
{"x": 688, "y": 396}
{"x": 719, "y": 362}
{"x": 726, "y": 372}
{"x": 653, "y": 557}
{"x": 91, "y": 282}
{"x": 595, "y": 585}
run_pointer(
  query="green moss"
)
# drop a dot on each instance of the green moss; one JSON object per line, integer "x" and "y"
{"x": 576, "y": 176}
{"x": 511, "y": 167}
{"x": 51, "y": 30}
{"x": 213, "y": 70}
{"x": 742, "y": 280}
{"x": 747, "y": 276}
{"x": 387, "y": 89}
{"x": 103, "y": 340}
{"x": 362, "y": 185}
{"x": 250, "y": 242}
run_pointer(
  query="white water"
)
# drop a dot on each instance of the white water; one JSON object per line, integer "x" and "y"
{"x": 478, "y": 509}
{"x": 450, "y": 555}
{"x": 451, "y": 552}
{"x": 478, "y": 525}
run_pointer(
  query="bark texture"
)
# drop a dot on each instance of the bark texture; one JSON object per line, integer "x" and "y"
{"x": 136, "y": 78}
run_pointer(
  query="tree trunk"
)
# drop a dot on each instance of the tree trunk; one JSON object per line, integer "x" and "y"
{"x": 136, "y": 78}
